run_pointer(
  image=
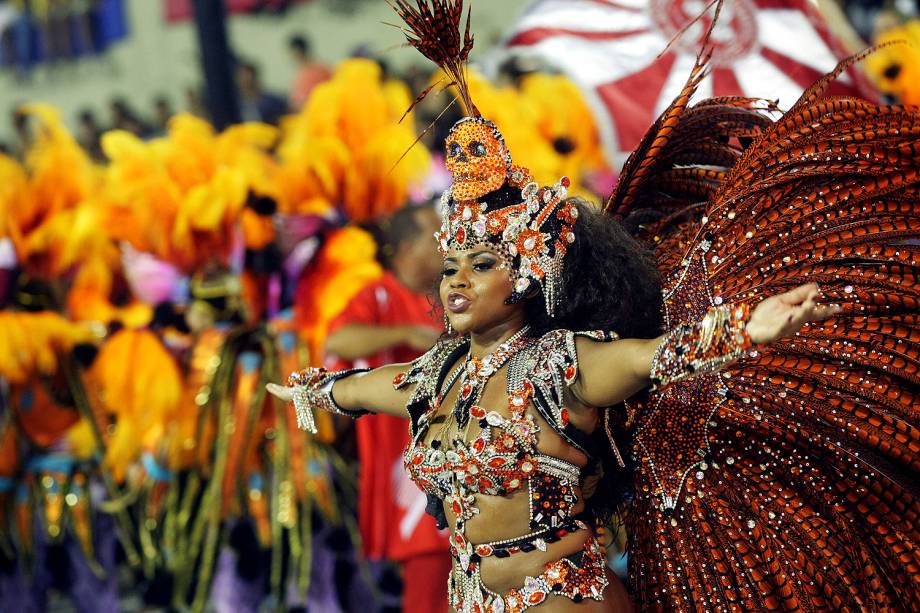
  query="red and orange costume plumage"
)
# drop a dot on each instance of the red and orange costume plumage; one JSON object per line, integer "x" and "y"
{"x": 788, "y": 480}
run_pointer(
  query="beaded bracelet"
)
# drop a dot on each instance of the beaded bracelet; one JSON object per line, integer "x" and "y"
{"x": 313, "y": 388}
{"x": 703, "y": 347}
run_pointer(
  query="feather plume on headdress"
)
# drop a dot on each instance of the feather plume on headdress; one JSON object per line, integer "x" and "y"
{"x": 435, "y": 32}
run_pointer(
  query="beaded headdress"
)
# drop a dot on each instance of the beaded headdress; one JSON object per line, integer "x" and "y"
{"x": 491, "y": 201}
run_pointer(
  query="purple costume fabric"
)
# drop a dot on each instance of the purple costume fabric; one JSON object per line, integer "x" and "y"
{"x": 27, "y": 590}
{"x": 230, "y": 593}
{"x": 332, "y": 552}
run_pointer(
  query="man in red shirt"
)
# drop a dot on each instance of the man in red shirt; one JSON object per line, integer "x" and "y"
{"x": 392, "y": 320}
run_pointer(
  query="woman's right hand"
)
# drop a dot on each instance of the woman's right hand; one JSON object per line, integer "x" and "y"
{"x": 372, "y": 391}
{"x": 283, "y": 392}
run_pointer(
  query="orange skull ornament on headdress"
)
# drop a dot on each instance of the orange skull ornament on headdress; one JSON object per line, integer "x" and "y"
{"x": 492, "y": 201}
{"x": 477, "y": 157}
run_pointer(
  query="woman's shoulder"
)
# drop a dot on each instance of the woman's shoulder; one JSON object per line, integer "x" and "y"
{"x": 565, "y": 337}
{"x": 554, "y": 355}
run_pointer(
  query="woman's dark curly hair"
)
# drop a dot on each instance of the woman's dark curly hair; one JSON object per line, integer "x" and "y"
{"x": 610, "y": 283}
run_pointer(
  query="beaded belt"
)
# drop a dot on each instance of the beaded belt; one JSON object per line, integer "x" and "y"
{"x": 576, "y": 580}
{"x": 529, "y": 542}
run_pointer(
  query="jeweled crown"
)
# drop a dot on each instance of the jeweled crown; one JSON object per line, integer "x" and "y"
{"x": 494, "y": 202}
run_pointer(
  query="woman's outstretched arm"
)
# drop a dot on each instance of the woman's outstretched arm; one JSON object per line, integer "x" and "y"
{"x": 370, "y": 391}
{"x": 609, "y": 373}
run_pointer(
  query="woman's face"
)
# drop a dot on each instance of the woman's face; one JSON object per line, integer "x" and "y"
{"x": 474, "y": 287}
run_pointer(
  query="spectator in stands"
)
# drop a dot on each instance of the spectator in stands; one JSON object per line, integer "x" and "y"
{"x": 21, "y": 131}
{"x": 89, "y": 133}
{"x": 256, "y": 104}
{"x": 162, "y": 111}
{"x": 194, "y": 102}
{"x": 310, "y": 73}
{"x": 124, "y": 117}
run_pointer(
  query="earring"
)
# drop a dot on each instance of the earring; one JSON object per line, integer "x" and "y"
{"x": 447, "y": 327}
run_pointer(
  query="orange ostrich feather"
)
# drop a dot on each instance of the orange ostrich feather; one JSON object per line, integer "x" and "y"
{"x": 138, "y": 383}
{"x": 343, "y": 148}
{"x": 345, "y": 265}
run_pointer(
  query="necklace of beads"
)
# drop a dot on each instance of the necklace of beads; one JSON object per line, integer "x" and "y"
{"x": 475, "y": 373}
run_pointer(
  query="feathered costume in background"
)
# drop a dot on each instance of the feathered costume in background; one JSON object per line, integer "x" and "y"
{"x": 180, "y": 197}
{"x": 788, "y": 481}
{"x": 895, "y": 68}
{"x": 52, "y": 436}
{"x": 226, "y": 456}
{"x": 167, "y": 431}
{"x": 342, "y": 148}
{"x": 547, "y": 123}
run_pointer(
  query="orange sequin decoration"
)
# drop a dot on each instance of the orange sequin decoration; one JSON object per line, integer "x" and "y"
{"x": 477, "y": 157}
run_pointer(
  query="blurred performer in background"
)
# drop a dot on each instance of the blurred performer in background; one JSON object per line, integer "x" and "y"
{"x": 392, "y": 320}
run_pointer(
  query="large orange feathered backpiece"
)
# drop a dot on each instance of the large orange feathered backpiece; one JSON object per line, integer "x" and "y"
{"x": 789, "y": 481}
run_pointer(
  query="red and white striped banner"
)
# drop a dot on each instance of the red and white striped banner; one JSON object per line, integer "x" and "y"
{"x": 763, "y": 48}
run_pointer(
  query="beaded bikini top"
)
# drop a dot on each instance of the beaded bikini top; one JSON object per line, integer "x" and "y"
{"x": 502, "y": 458}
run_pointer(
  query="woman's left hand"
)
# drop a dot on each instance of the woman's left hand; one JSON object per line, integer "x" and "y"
{"x": 782, "y": 315}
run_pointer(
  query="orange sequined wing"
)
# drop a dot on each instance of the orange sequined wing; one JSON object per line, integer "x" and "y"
{"x": 789, "y": 481}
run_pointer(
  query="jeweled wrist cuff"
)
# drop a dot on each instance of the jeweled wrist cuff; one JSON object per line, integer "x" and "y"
{"x": 313, "y": 388}
{"x": 706, "y": 346}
